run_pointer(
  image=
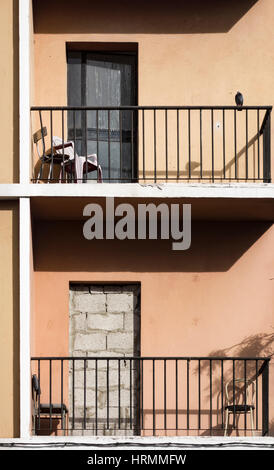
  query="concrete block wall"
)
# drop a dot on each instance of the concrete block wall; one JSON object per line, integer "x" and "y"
{"x": 104, "y": 322}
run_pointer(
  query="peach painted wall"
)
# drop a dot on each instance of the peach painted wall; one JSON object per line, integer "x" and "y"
{"x": 9, "y": 91}
{"x": 215, "y": 298}
{"x": 189, "y": 53}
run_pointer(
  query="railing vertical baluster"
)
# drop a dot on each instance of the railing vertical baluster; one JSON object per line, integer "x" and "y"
{"x": 256, "y": 394}
{"x": 222, "y": 390}
{"x": 132, "y": 146}
{"x": 201, "y": 146}
{"x": 96, "y": 397}
{"x": 235, "y": 144}
{"x": 97, "y": 144}
{"x": 142, "y": 393}
{"x": 107, "y": 393}
{"x": 121, "y": 139}
{"x": 51, "y": 146}
{"x": 212, "y": 146}
{"x": 62, "y": 398}
{"x": 176, "y": 373}
{"x": 165, "y": 426}
{"x": 189, "y": 146}
{"x": 39, "y": 378}
{"x": 119, "y": 393}
{"x": 86, "y": 146}
{"x": 155, "y": 148}
{"x": 143, "y": 127}
{"x": 74, "y": 147}
{"x": 246, "y": 138}
{"x": 153, "y": 397}
{"x": 233, "y": 362}
{"x": 265, "y": 397}
{"x": 109, "y": 145}
{"x": 258, "y": 131}
{"x": 224, "y": 144}
{"x": 266, "y": 149}
{"x": 63, "y": 148}
{"x": 73, "y": 393}
{"x": 210, "y": 394}
{"x": 166, "y": 129}
{"x": 50, "y": 394}
{"x": 245, "y": 393}
{"x": 178, "y": 145}
{"x": 85, "y": 394}
{"x": 130, "y": 392}
{"x": 199, "y": 394}
{"x": 187, "y": 399}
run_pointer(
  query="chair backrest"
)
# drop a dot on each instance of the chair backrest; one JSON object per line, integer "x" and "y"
{"x": 37, "y": 136}
{"x": 35, "y": 385}
{"x": 242, "y": 389}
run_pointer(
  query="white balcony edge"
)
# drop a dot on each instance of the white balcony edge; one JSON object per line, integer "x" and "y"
{"x": 133, "y": 443}
{"x": 136, "y": 190}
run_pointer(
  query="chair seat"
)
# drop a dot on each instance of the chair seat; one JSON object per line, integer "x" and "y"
{"x": 53, "y": 408}
{"x": 239, "y": 408}
{"x": 56, "y": 158}
{"x": 70, "y": 166}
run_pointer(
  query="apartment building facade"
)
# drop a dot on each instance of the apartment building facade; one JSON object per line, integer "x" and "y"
{"x": 119, "y": 107}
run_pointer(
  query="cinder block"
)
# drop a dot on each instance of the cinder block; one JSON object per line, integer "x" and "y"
{"x": 120, "y": 341}
{"x": 78, "y": 322}
{"x": 128, "y": 322}
{"x": 90, "y": 342}
{"x": 119, "y": 303}
{"x": 105, "y": 322}
{"x": 95, "y": 303}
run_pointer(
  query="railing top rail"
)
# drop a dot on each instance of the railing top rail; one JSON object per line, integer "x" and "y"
{"x": 124, "y": 108}
{"x": 111, "y": 358}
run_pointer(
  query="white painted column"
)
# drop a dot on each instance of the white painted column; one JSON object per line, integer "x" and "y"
{"x": 24, "y": 216}
{"x": 25, "y": 310}
{"x": 24, "y": 90}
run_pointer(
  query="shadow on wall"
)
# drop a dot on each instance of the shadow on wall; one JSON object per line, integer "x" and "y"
{"x": 259, "y": 345}
{"x": 180, "y": 16}
{"x": 255, "y": 345}
{"x": 215, "y": 247}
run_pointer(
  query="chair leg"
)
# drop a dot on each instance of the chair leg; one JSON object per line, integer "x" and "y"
{"x": 63, "y": 422}
{"x": 252, "y": 422}
{"x": 40, "y": 173}
{"x": 226, "y": 422}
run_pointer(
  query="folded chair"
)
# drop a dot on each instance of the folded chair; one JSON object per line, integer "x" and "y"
{"x": 46, "y": 410}
{"x": 76, "y": 166}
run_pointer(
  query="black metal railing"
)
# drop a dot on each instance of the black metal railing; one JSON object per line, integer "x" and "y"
{"x": 153, "y": 143}
{"x": 150, "y": 395}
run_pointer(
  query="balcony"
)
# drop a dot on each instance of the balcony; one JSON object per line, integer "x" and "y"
{"x": 150, "y": 396}
{"x": 151, "y": 144}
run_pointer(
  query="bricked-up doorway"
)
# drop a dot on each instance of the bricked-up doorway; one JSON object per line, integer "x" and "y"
{"x": 104, "y": 393}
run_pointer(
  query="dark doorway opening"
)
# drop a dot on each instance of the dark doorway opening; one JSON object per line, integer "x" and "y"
{"x": 98, "y": 79}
